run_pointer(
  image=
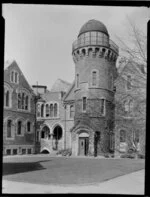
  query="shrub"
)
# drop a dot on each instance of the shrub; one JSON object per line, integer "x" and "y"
{"x": 141, "y": 156}
{"x": 65, "y": 152}
{"x": 106, "y": 155}
{"x": 127, "y": 155}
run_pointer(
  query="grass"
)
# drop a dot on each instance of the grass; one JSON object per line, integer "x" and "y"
{"x": 62, "y": 170}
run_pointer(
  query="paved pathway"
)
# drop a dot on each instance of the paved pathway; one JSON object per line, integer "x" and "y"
{"x": 132, "y": 183}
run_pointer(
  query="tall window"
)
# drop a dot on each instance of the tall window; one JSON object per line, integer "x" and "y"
{"x": 16, "y": 77}
{"x": 19, "y": 127}
{"x": 26, "y": 102}
{"x": 130, "y": 105}
{"x": 102, "y": 107}
{"x": 51, "y": 110}
{"x": 28, "y": 126}
{"x": 128, "y": 82}
{"x": 9, "y": 125}
{"x": 77, "y": 80}
{"x": 47, "y": 110}
{"x": 84, "y": 103}
{"x": 22, "y": 101}
{"x": 55, "y": 110}
{"x": 42, "y": 110}
{"x": 7, "y": 98}
{"x": 122, "y": 136}
{"x": 71, "y": 111}
{"x": 12, "y": 76}
{"x": 94, "y": 77}
{"x": 19, "y": 101}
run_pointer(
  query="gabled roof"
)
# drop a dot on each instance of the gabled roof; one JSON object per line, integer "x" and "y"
{"x": 70, "y": 94}
{"x": 60, "y": 86}
{"x": 13, "y": 64}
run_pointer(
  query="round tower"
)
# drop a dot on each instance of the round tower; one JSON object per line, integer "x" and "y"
{"x": 95, "y": 56}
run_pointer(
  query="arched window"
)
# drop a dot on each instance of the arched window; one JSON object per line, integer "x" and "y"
{"x": 22, "y": 101}
{"x": 9, "y": 128}
{"x": 16, "y": 77}
{"x": 47, "y": 110}
{"x": 128, "y": 82}
{"x": 71, "y": 111}
{"x": 55, "y": 110}
{"x": 28, "y": 126}
{"x": 126, "y": 106}
{"x": 12, "y": 76}
{"x": 122, "y": 136}
{"x": 19, "y": 127}
{"x": 77, "y": 80}
{"x": 84, "y": 103}
{"x": 19, "y": 101}
{"x": 130, "y": 105}
{"x": 7, "y": 98}
{"x": 26, "y": 102}
{"x": 94, "y": 78}
{"x": 42, "y": 110}
{"x": 51, "y": 110}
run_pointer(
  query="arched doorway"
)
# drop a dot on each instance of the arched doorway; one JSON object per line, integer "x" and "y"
{"x": 57, "y": 135}
{"x": 45, "y": 132}
{"x": 83, "y": 143}
{"x": 45, "y": 151}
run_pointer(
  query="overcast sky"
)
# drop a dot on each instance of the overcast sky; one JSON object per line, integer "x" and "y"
{"x": 40, "y": 37}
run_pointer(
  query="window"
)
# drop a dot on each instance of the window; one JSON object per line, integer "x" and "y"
{"x": 128, "y": 106}
{"x": 23, "y": 151}
{"x": 122, "y": 136}
{"x": 94, "y": 77}
{"x": 26, "y": 102}
{"x": 29, "y": 150}
{"x": 42, "y": 110}
{"x": 28, "y": 126}
{"x": 47, "y": 110}
{"x": 77, "y": 80}
{"x": 84, "y": 103}
{"x": 14, "y": 77}
{"x": 19, "y": 128}
{"x": 51, "y": 110}
{"x": 9, "y": 128}
{"x": 128, "y": 82}
{"x": 23, "y": 101}
{"x": 55, "y": 110}
{"x": 19, "y": 101}
{"x": 71, "y": 111}
{"x": 102, "y": 106}
{"x": 136, "y": 136}
{"x": 14, "y": 151}
{"x": 7, "y": 98}
{"x": 8, "y": 151}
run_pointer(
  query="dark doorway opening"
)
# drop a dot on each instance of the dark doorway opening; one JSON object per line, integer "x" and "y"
{"x": 57, "y": 135}
{"x": 97, "y": 137}
{"x": 83, "y": 146}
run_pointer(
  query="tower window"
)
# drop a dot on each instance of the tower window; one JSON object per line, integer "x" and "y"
{"x": 51, "y": 110}
{"x": 84, "y": 103}
{"x": 42, "y": 110}
{"x": 102, "y": 107}
{"x": 71, "y": 111}
{"x": 94, "y": 77}
{"x": 77, "y": 80}
{"x": 7, "y": 98}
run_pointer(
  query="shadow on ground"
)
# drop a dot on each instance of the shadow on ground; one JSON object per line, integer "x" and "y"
{"x": 14, "y": 167}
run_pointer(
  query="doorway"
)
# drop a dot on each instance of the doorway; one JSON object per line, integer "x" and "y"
{"x": 83, "y": 146}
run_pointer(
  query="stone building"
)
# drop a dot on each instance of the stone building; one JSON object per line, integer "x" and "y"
{"x": 86, "y": 111}
{"x": 130, "y": 107}
{"x": 19, "y": 113}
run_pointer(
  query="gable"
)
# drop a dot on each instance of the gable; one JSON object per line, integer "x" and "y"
{"x": 70, "y": 94}
{"x": 22, "y": 83}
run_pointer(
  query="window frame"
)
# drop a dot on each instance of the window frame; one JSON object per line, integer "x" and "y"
{"x": 84, "y": 103}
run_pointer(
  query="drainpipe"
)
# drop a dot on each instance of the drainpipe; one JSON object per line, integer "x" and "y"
{"x": 65, "y": 129}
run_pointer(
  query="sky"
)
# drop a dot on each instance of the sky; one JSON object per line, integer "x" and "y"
{"x": 40, "y": 37}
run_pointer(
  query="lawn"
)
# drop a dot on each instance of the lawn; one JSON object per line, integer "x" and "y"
{"x": 63, "y": 170}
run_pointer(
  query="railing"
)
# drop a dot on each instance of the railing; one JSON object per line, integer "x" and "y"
{"x": 94, "y": 40}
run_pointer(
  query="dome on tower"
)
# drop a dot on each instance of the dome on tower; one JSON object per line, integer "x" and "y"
{"x": 93, "y": 25}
